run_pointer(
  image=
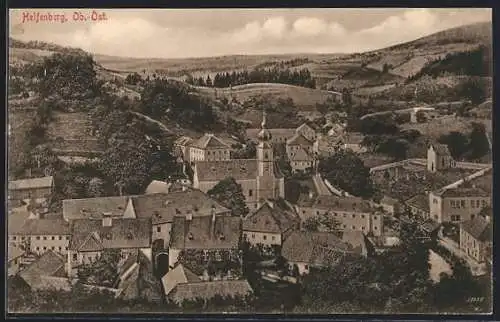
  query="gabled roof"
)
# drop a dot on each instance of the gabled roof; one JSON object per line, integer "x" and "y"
{"x": 462, "y": 192}
{"x": 33, "y": 183}
{"x": 419, "y": 201}
{"x": 333, "y": 203}
{"x": 42, "y": 227}
{"x": 162, "y": 207}
{"x": 319, "y": 248}
{"x": 270, "y": 219}
{"x": 440, "y": 149}
{"x": 299, "y": 139}
{"x": 94, "y": 208}
{"x": 204, "y": 233}
{"x": 183, "y": 140}
{"x": 209, "y": 141}
{"x": 242, "y": 169}
{"x": 479, "y": 227}
{"x": 305, "y": 126}
{"x": 178, "y": 275}
{"x": 91, "y": 235}
{"x": 49, "y": 264}
{"x": 208, "y": 290}
{"x": 300, "y": 155}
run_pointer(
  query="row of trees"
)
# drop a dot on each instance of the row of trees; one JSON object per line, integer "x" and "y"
{"x": 301, "y": 77}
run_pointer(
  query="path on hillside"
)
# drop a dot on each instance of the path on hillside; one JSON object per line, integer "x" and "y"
{"x": 411, "y": 109}
{"x": 151, "y": 120}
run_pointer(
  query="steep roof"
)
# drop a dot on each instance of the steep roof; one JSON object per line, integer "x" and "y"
{"x": 209, "y": 141}
{"x": 298, "y": 139}
{"x": 441, "y": 149}
{"x": 49, "y": 264}
{"x": 242, "y": 169}
{"x": 419, "y": 201}
{"x": 178, "y": 275}
{"x": 162, "y": 207}
{"x": 305, "y": 126}
{"x": 203, "y": 233}
{"x": 42, "y": 227}
{"x": 300, "y": 155}
{"x": 208, "y": 290}
{"x": 183, "y": 140}
{"x": 91, "y": 235}
{"x": 93, "y": 208}
{"x": 33, "y": 183}
{"x": 318, "y": 248}
{"x": 157, "y": 187}
{"x": 479, "y": 227}
{"x": 351, "y": 204}
{"x": 463, "y": 192}
{"x": 270, "y": 219}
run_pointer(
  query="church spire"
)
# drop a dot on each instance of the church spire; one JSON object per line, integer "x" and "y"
{"x": 264, "y": 134}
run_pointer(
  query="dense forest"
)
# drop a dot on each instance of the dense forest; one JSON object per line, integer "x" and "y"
{"x": 275, "y": 74}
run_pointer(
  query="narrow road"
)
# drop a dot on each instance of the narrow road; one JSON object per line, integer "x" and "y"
{"x": 151, "y": 120}
{"x": 412, "y": 109}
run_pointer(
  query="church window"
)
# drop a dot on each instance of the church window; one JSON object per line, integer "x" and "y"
{"x": 266, "y": 155}
{"x": 250, "y": 192}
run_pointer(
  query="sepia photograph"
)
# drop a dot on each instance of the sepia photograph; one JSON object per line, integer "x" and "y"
{"x": 249, "y": 161}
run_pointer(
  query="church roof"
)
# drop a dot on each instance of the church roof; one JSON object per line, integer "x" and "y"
{"x": 299, "y": 139}
{"x": 209, "y": 141}
{"x": 239, "y": 169}
{"x": 300, "y": 155}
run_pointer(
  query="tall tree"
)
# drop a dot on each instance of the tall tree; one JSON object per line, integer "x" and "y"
{"x": 230, "y": 194}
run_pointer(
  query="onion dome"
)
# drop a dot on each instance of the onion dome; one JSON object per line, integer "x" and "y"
{"x": 264, "y": 134}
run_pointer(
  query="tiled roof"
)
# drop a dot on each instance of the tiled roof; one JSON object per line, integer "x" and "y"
{"x": 162, "y": 208}
{"x": 49, "y": 264}
{"x": 300, "y": 155}
{"x": 178, "y": 275}
{"x": 298, "y": 139}
{"x": 318, "y": 248}
{"x": 208, "y": 290}
{"x": 270, "y": 219}
{"x": 209, "y": 141}
{"x": 351, "y": 204}
{"x": 463, "y": 192}
{"x": 33, "y": 183}
{"x": 419, "y": 201}
{"x": 183, "y": 140}
{"x": 14, "y": 252}
{"x": 242, "y": 169}
{"x": 287, "y": 133}
{"x": 305, "y": 126}
{"x": 157, "y": 187}
{"x": 441, "y": 149}
{"x": 203, "y": 233}
{"x": 43, "y": 227}
{"x": 479, "y": 227}
{"x": 94, "y": 208}
{"x": 16, "y": 220}
{"x": 90, "y": 234}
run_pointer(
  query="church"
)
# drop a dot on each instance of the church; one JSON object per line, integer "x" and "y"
{"x": 259, "y": 178}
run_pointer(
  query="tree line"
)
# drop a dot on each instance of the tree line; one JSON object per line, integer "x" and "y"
{"x": 301, "y": 77}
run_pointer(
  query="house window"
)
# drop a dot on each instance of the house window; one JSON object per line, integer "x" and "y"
{"x": 462, "y": 203}
{"x": 455, "y": 217}
{"x": 218, "y": 257}
{"x": 472, "y": 216}
{"x": 273, "y": 237}
{"x": 158, "y": 229}
{"x": 44, "y": 247}
{"x": 67, "y": 237}
{"x": 37, "y": 248}
{"x": 23, "y": 238}
{"x": 60, "y": 237}
{"x": 306, "y": 266}
{"x": 44, "y": 237}
{"x": 473, "y": 203}
{"x": 75, "y": 257}
{"x": 253, "y": 236}
{"x": 265, "y": 237}
{"x": 375, "y": 217}
{"x": 250, "y": 192}
{"x": 376, "y": 228}
{"x": 434, "y": 201}
{"x": 317, "y": 213}
{"x": 363, "y": 228}
{"x": 60, "y": 248}
{"x": 363, "y": 216}
{"x": 245, "y": 236}
{"x": 53, "y": 248}
{"x": 53, "y": 237}
{"x": 477, "y": 204}
{"x": 66, "y": 247}
{"x": 452, "y": 203}
{"x": 353, "y": 227}
{"x": 344, "y": 226}
{"x": 14, "y": 238}
{"x": 483, "y": 202}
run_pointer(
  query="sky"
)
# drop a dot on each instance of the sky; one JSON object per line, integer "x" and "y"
{"x": 179, "y": 33}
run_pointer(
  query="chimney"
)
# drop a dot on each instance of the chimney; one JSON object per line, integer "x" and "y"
{"x": 189, "y": 215}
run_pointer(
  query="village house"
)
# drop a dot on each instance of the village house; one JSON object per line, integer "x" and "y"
{"x": 307, "y": 131}
{"x": 270, "y": 224}
{"x": 47, "y": 273}
{"x": 476, "y": 238}
{"x": 90, "y": 237}
{"x": 326, "y": 146}
{"x": 180, "y": 284}
{"x": 418, "y": 205}
{"x": 457, "y": 204}
{"x": 209, "y": 148}
{"x": 298, "y": 142}
{"x": 204, "y": 240}
{"x": 352, "y": 141}
{"x": 14, "y": 255}
{"x": 304, "y": 250}
{"x": 259, "y": 178}
{"x": 439, "y": 158}
{"x": 182, "y": 146}
{"x": 301, "y": 160}
{"x": 351, "y": 213}
{"x": 159, "y": 207}
{"x": 39, "y": 189}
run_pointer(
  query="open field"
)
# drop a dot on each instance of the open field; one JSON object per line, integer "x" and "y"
{"x": 446, "y": 124}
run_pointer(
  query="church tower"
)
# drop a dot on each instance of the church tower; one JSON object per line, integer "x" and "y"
{"x": 265, "y": 160}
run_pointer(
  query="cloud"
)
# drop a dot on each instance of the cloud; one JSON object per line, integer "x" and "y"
{"x": 137, "y": 35}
